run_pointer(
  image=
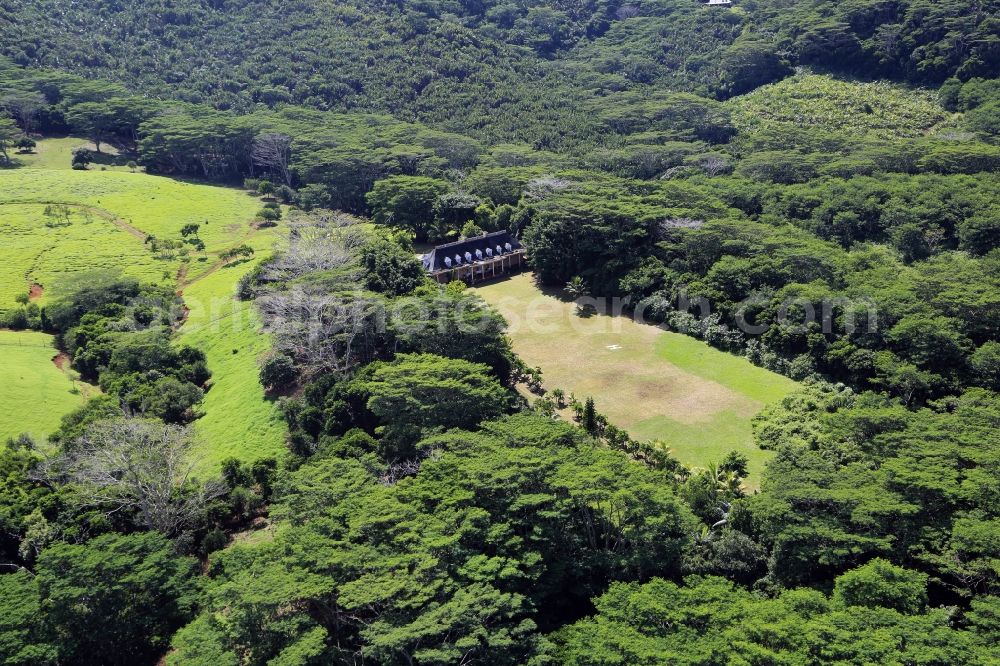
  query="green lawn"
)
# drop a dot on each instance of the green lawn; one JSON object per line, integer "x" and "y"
{"x": 655, "y": 384}
{"x": 34, "y": 392}
{"x": 238, "y": 421}
{"x": 732, "y": 371}
{"x": 110, "y": 212}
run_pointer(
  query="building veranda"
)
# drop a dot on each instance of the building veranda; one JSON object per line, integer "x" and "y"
{"x": 473, "y": 260}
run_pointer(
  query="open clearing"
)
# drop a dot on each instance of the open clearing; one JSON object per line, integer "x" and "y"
{"x": 863, "y": 109}
{"x": 109, "y": 215}
{"x": 34, "y": 391}
{"x": 99, "y": 220}
{"x": 238, "y": 421}
{"x": 655, "y": 384}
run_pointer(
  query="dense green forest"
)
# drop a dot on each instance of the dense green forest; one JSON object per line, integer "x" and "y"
{"x": 498, "y": 70}
{"x": 733, "y": 171}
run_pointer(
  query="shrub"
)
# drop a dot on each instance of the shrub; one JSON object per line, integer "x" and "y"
{"x": 277, "y": 372}
{"x": 81, "y": 158}
{"x": 269, "y": 214}
{"x": 314, "y": 196}
{"x": 471, "y": 230}
{"x": 244, "y": 251}
{"x": 213, "y": 541}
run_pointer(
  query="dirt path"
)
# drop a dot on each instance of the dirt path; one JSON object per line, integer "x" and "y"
{"x": 61, "y": 361}
{"x": 183, "y": 282}
{"x": 126, "y": 227}
{"x": 36, "y": 291}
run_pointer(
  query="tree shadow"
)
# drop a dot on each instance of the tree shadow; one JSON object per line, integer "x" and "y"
{"x": 236, "y": 262}
{"x": 13, "y": 163}
{"x": 558, "y": 293}
{"x": 107, "y": 159}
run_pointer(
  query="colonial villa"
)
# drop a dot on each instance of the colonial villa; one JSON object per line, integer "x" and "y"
{"x": 475, "y": 259}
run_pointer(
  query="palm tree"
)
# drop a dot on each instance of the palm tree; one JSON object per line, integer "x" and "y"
{"x": 576, "y": 288}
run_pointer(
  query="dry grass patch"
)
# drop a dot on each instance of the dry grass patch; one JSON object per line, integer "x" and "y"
{"x": 653, "y": 383}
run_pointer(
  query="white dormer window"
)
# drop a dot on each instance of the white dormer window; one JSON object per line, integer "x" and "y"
{"x": 479, "y": 255}
{"x": 447, "y": 262}
{"x": 489, "y": 252}
{"x": 499, "y": 250}
{"x": 508, "y": 247}
{"x": 458, "y": 259}
{"x": 468, "y": 257}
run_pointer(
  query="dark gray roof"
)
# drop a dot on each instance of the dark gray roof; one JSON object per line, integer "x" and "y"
{"x": 435, "y": 259}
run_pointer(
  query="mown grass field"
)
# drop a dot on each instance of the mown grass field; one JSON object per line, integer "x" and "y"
{"x": 109, "y": 213}
{"x": 655, "y": 384}
{"x": 34, "y": 392}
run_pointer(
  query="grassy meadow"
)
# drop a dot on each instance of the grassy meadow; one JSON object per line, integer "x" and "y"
{"x": 237, "y": 420}
{"x": 850, "y": 108}
{"x": 44, "y": 249}
{"x": 56, "y": 222}
{"x": 35, "y": 392}
{"x": 56, "y": 153}
{"x": 655, "y": 384}
{"x": 110, "y": 215}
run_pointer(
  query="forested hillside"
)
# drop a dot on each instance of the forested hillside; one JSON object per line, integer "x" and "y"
{"x": 811, "y": 185}
{"x": 496, "y": 69}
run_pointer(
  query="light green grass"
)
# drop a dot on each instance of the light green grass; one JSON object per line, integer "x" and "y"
{"x": 238, "y": 420}
{"x": 862, "y": 109}
{"x": 110, "y": 212}
{"x": 36, "y": 253}
{"x": 707, "y": 441}
{"x": 656, "y": 384}
{"x": 34, "y": 392}
{"x": 134, "y": 204}
{"x": 733, "y": 372}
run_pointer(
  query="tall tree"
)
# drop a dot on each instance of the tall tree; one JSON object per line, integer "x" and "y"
{"x": 114, "y": 601}
{"x": 24, "y": 106}
{"x": 9, "y": 133}
{"x": 137, "y": 465}
{"x": 407, "y": 202}
{"x": 92, "y": 119}
{"x": 420, "y": 391}
{"x": 273, "y": 151}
